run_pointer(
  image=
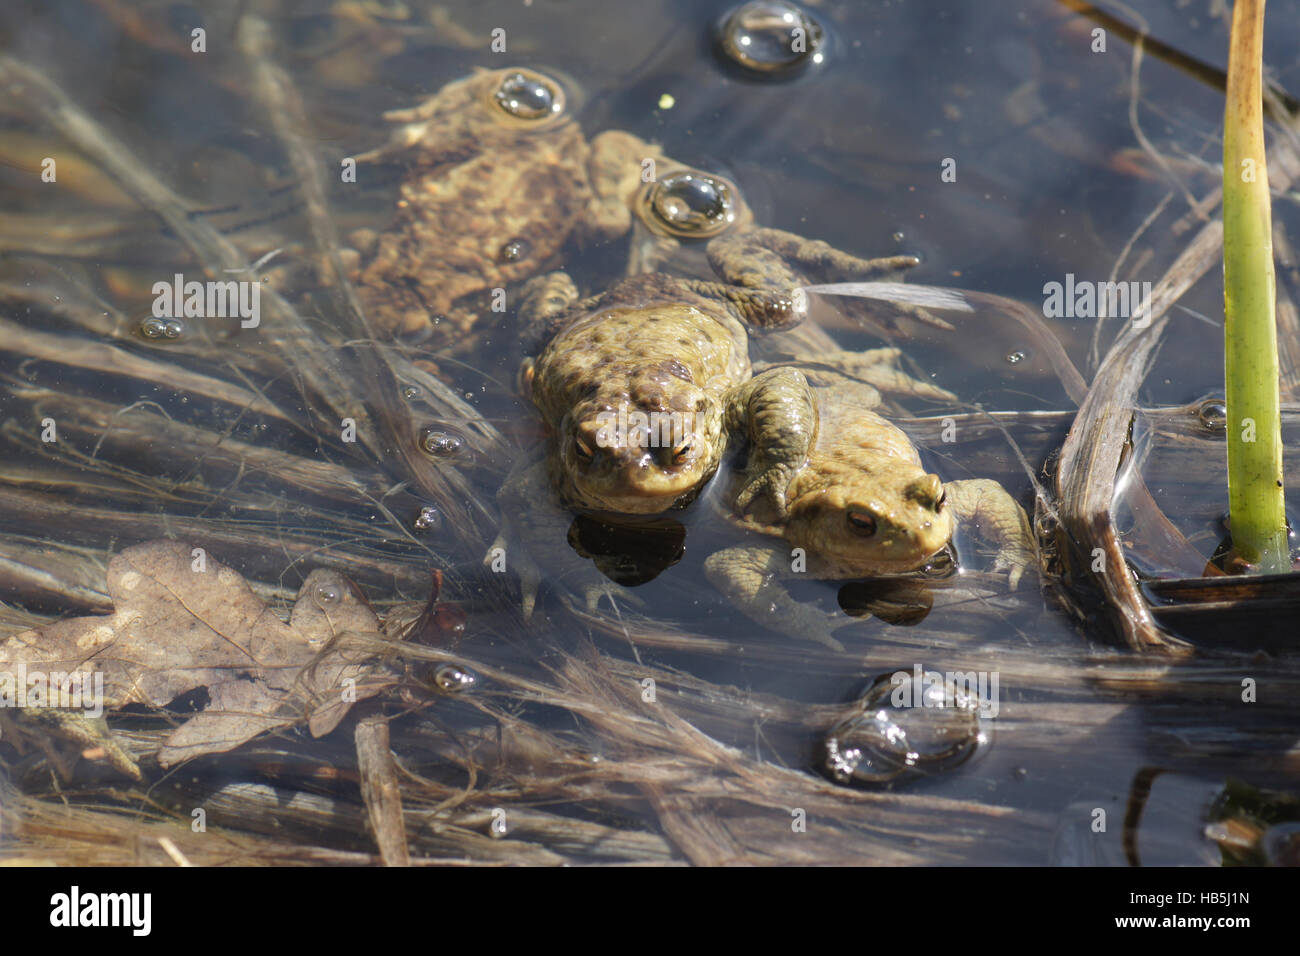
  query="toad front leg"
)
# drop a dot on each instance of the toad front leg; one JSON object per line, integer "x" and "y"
{"x": 777, "y": 413}
{"x": 997, "y": 519}
{"x": 615, "y": 170}
{"x": 92, "y": 734}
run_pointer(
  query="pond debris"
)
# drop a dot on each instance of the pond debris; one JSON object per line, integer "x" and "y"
{"x": 381, "y": 789}
{"x": 315, "y": 365}
{"x": 184, "y": 621}
{"x": 439, "y": 624}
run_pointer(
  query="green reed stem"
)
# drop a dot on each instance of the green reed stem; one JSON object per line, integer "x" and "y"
{"x": 1255, "y": 494}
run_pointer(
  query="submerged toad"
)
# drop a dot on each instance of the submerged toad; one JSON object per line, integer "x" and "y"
{"x": 640, "y": 387}
{"x": 501, "y": 178}
{"x": 861, "y": 506}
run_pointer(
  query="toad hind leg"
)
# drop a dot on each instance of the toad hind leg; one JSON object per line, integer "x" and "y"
{"x": 615, "y": 169}
{"x": 543, "y": 300}
{"x": 766, "y": 258}
{"x": 879, "y": 368}
{"x": 749, "y": 577}
{"x": 780, "y": 261}
{"x": 88, "y": 732}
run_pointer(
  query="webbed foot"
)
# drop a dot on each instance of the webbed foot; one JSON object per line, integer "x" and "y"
{"x": 770, "y": 486}
{"x": 998, "y": 519}
{"x": 529, "y": 574}
{"x": 593, "y": 590}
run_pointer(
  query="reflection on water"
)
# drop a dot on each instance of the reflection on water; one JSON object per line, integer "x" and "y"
{"x": 234, "y": 439}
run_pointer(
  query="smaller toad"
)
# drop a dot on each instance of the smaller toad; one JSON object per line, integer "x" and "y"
{"x": 861, "y": 506}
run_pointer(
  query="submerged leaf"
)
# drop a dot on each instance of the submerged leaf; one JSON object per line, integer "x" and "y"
{"x": 185, "y": 621}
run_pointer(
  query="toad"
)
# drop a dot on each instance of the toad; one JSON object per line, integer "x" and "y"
{"x": 860, "y": 506}
{"x": 501, "y": 177}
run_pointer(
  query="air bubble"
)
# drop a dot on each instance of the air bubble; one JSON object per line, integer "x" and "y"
{"x": 692, "y": 204}
{"x": 529, "y": 96}
{"x": 438, "y": 443}
{"x": 1213, "y": 415}
{"x": 1016, "y": 357}
{"x": 905, "y": 725}
{"x": 771, "y": 36}
{"x": 454, "y": 679}
{"x": 1281, "y": 844}
{"x": 429, "y": 519}
{"x": 514, "y": 250}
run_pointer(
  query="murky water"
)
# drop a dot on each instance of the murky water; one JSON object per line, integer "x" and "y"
{"x": 992, "y": 140}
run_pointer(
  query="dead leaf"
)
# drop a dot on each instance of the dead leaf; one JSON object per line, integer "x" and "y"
{"x": 183, "y": 621}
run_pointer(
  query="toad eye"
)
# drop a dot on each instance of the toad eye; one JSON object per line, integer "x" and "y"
{"x": 862, "y": 523}
{"x": 529, "y": 96}
{"x": 943, "y": 499}
{"x": 582, "y": 450}
{"x": 681, "y": 453}
{"x": 691, "y": 204}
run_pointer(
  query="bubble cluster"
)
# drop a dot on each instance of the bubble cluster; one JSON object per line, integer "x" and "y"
{"x": 437, "y": 443}
{"x": 156, "y": 328}
{"x": 429, "y": 519}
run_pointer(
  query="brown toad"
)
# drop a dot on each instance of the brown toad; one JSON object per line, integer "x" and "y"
{"x": 861, "y": 506}
{"x": 502, "y": 177}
